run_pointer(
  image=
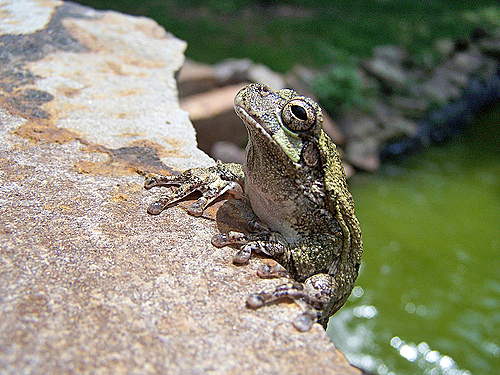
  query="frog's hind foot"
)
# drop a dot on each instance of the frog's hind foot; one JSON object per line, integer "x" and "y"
{"x": 295, "y": 291}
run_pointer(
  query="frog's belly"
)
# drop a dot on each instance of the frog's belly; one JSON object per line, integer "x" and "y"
{"x": 278, "y": 215}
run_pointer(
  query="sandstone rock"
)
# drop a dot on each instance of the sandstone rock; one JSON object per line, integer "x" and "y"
{"x": 364, "y": 154}
{"x": 445, "y": 47}
{"x": 439, "y": 89}
{"x": 262, "y": 74}
{"x": 357, "y": 124}
{"x": 91, "y": 283}
{"x": 363, "y": 131}
{"x": 394, "y": 54}
{"x": 231, "y": 71}
{"x": 195, "y": 78}
{"x": 213, "y": 117}
{"x": 211, "y": 103}
{"x": 390, "y": 121}
{"x": 490, "y": 45}
{"x": 228, "y": 152}
{"x": 469, "y": 62}
{"x": 370, "y": 85}
{"x": 454, "y": 89}
{"x": 391, "y": 75}
{"x": 456, "y": 77}
{"x": 414, "y": 108}
{"x": 110, "y": 101}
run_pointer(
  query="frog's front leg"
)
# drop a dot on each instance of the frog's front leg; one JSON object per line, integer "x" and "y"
{"x": 211, "y": 182}
{"x": 264, "y": 241}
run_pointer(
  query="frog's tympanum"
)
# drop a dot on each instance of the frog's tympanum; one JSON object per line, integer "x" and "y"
{"x": 296, "y": 185}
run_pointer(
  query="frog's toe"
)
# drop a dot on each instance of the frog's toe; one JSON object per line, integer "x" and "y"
{"x": 197, "y": 208}
{"x": 244, "y": 254}
{"x": 157, "y": 207}
{"x": 150, "y": 182}
{"x": 272, "y": 268}
{"x": 256, "y": 300}
{"x": 294, "y": 291}
{"x": 304, "y": 322}
{"x": 221, "y": 239}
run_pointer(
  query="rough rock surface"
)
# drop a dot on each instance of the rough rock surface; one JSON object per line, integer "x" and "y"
{"x": 89, "y": 282}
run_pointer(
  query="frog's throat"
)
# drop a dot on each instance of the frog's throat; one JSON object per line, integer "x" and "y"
{"x": 283, "y": 139}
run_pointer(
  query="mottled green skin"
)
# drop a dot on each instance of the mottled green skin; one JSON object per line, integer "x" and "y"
{"x": 295, "y": 182}
{"x": 307, "y": 202}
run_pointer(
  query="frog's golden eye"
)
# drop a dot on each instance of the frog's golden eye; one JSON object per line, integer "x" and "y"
{"x": 298, "y": 115}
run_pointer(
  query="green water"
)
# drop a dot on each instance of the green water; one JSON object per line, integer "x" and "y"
{"x": 428, "y": 297}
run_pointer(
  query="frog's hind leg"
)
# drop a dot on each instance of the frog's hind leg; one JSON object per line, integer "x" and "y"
{"x": 311, "y": 297}
{"x": 290, "y": 290}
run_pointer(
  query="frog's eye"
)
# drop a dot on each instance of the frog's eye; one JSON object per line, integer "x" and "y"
{"x": 298, "y": 115}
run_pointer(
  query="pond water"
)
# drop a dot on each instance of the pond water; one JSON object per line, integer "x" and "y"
{"x": 427, "y": 300}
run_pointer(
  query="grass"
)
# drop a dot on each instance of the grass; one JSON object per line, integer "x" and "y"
{"x": 282, "y": 35}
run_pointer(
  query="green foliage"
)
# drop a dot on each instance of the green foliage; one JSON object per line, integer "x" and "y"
{"x": 340, "y": 87}
{"x": 318, "y": 33}
{"x": 282, "y": 34}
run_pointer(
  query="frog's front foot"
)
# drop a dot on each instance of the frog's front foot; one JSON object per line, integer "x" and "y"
{"x": 211, "y": 182}
{"x": 235, "y": 238}
{"x": 269, "y": 243}
{"x": 272, "y": 269}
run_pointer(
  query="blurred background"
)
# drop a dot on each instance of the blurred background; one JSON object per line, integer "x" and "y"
{"x": 412, "y": 91}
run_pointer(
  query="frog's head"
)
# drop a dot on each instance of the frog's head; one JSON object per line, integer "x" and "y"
{"x": 280, "y": 120}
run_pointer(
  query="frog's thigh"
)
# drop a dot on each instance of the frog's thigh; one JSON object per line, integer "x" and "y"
{"x": 320, "y": 287}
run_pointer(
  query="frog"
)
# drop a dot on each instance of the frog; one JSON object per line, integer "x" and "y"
{"x": 294, "y": 180}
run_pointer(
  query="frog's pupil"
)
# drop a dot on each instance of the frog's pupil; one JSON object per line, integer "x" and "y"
{"x": 299, "y": 112}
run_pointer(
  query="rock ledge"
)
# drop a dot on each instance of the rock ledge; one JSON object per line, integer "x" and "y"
{"x": 90, "y": 283}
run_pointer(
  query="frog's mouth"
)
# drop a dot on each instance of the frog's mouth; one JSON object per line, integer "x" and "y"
{"x": 278, "y": 139}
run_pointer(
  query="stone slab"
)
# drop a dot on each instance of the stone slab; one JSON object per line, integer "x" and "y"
{"x": 89, "y": 282}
